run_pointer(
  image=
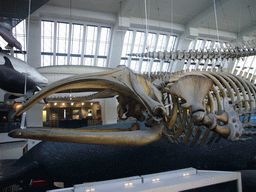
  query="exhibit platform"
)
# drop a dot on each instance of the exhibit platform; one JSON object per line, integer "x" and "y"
{"x": 179, "y": 180}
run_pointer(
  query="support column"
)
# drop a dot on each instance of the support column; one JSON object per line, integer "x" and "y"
{"x": 34, "y": 116}
{"x": 116, "y": 48}
{"x": 109, "y": 111}
{"x": 34, "y": 41}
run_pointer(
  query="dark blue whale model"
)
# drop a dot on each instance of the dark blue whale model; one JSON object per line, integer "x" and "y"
{"x": 73, "y": 163}
{"x": 13, "y": 81}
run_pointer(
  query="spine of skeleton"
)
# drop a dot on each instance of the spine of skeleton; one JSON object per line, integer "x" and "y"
{"x": 233, "y": 53}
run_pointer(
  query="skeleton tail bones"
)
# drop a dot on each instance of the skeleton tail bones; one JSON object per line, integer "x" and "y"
{"x": 180, "y": 107}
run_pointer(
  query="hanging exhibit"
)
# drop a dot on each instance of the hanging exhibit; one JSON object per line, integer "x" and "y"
{"x": 177, "y": 106}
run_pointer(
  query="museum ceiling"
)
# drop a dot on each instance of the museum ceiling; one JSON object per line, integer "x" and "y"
{"x": 236, "y": 16}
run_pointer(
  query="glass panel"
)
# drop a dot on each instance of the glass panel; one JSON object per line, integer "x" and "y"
{"x": 171, "y": 43}
{"x": 90, "y": 44}
{"x": 134, "y": 65}
{"x": 198, "y": 44}
{"x": 165, "y": 66}
{"x": 75, "y": 60}
{"x": 151, "y": 40}
{"x": 47, "y": 60}
{"x": 90, "y": 40}
{"x": 101, "y": 62}
{"x": 161, "y": 42}
{"x": 144, "y": 66}
{"x": 124, "y": 62}
{"x": 207, "y": 45}
{"x": 76, "y": 39}
{"x": 61, "y": 60}
{"x": 249, "y": 62}
{"x": 104, "y": 41}
{"x": 138, "y": 44}
{"x": 47, "y": 35}
{"x": 62, "y": 37}
{"x": 76, "y": 44}
{"x": 190, "y": 47}
{"x": 21, "y": 56}
{"x": 89, "y": 61}
{"x": 127, "y": 43}
{"x": 155, "y": 66}
{"x": 216, "y": 45}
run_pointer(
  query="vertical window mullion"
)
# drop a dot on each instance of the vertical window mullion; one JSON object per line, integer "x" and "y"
{"x": 69, "y": 43}
{"x": 83, "y": 45}
{"x": 54, "y": 43}
{"x": 97, "y": 46}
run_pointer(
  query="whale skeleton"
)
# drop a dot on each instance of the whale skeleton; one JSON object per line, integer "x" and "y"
{"x": 193, "y": 107}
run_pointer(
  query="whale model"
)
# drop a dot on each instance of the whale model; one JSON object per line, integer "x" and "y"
{"x": 74, "y": 163}
{"x": 13, "y": 81}
{"x": 24, "y": 68}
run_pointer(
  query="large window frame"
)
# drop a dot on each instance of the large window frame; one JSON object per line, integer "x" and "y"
{"x": 76, "y": 34}
{"x": 139, "y": 41}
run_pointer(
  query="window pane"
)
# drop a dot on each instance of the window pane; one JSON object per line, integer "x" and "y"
{"x": 74, "y": 60}
{"x": 165, "y": 67}
{"x": 138, "y": 44}
{"x": 198, "y": 44}
{"x": 62, "y": 37}
{"x": 171, "y": 43}
{"x": 124, "y": 62}
{"x": 101, "y": 62}
{"x": 216, "y": 45}
{"x": 47, "y": 35}
{"x": 134, "y": 65}
{"x": 76, "y": 44}
{"x": 47, "y": 60}
{"x": 155, "y": 66}
{"x": 207, "y": 45}
{"x": 127, "y": 43}
{"x": 104, "y": 41}
{"x": 61, "y": 60}
{"x": 89, "y": 61}
{"x": 144, "y": 66}
{"x": 21, "y": 56}
{"x": 76, "y": 39}
{"x": 161, "y": 42}
{"x": 151, "y": 40}
{"x": 90, "y": 40}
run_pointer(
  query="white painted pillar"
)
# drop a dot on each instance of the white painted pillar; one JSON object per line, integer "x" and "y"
{"x": 109, "y": 111}
{"x": 34, "y": 41}
{"x": 34, "y": 116}
{"x": 116, "y": 48}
